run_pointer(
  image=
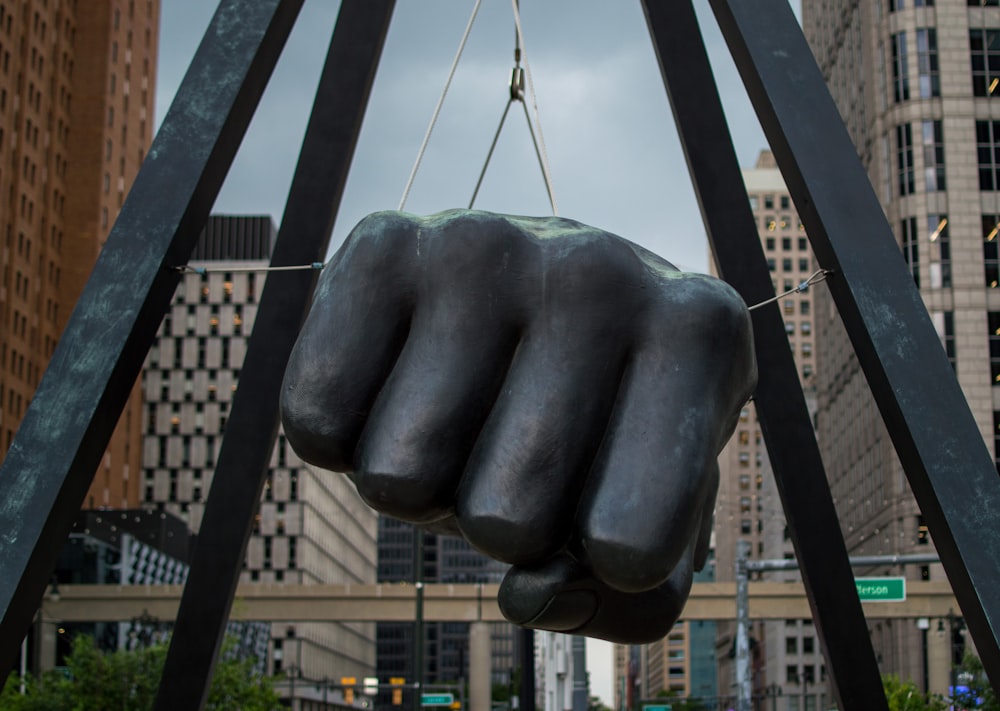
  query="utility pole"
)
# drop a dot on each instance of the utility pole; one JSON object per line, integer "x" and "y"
{"x": 743, "y": 689}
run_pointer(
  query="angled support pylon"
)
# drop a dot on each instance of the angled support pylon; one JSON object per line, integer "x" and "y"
{"x": 65, "y": 431}
{"x": 781, "y": 405}
{"x": 949, "y": 468}
{"x": 303, "y": 238}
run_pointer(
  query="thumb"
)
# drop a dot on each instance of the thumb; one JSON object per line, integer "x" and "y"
{"x": 560, "y": 595}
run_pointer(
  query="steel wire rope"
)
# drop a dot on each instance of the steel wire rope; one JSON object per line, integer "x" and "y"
{"x": 437, "y": 109}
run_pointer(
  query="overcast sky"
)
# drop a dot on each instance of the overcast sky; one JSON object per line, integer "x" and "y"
{"x": 615, "y": 158}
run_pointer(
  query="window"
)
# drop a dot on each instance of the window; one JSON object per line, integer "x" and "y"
{"x": 991, "y": 256}
{"x": 984, "y": 48}
{"x": 904, "y": 157}
{"x": 910, "y": 246}
{"x": 803, "y": 264}
{"x": 983, "y": 3}
{"x": 996, "y": 439}
{"x": 900, "y": 81}
{"x": 791, "y": 674}
{"x": 937, "y": 226}
{"x": 786, "y": 243}
{"x": 808, "y": 645}
{"x": 928, "y": 72}
{"x": 933, "y": 140}
{"x": 745, "y": 527}
{"x": 988, "y": 154}
{"x": 944, "y": 324}
{"x": 791, "y": 645}
{"x": 994, "y": 335}
{"x": 923, "y": 533}
{"x": 769, "y": 243}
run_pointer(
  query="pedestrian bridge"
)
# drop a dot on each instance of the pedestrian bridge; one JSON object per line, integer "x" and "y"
{"x": 396, "y": 602}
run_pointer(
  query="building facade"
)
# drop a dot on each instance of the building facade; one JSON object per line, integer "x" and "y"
{"x": 77, "y": 84}
{"x": 445, "y": 653}
{"x": 916, "y": 82}
{"x": 312, "y": 527}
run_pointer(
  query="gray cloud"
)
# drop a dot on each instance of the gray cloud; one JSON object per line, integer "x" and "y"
{"x": 615, "y": 158}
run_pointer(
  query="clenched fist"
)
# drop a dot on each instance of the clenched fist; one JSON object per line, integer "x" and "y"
{"x": 551, "y": 392}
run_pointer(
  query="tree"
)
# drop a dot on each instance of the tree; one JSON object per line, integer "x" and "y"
{"x": 905, "y": 696}
{"x": 127, "y": 680}
{"x": 594, "y": 703}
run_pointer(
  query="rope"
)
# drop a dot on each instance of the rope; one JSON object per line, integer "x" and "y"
{"x": 188, "y": 269}
{"x": 437, "y": 109}
{"x": 543, "y": 157}
{"x": 489, "y": 155}
{"x": 815, "y": 278}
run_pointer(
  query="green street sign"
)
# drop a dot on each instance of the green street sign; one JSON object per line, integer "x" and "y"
{"x": 881, "y": 589}
{"x": 437, "y": 699}
{"x": 657, "y": 707}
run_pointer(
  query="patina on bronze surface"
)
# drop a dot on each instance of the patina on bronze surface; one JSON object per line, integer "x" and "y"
{"x": 552, "y": 392}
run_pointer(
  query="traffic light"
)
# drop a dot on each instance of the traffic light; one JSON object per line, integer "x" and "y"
{"x": 397, "y": 692}
{"x": 348, "y": 683}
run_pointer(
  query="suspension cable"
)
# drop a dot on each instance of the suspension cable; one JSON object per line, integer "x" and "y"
{"x": 543, "y": 158}
{"x": 437, "y": 109}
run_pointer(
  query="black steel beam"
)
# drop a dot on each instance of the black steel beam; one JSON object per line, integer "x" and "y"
{"x": 781, "y": 406}
{"x": 303, "y": 238}
{"x": 65, "y": 431}
{"x": 949, "y": 468}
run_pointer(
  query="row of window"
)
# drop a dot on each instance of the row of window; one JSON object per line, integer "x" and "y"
{"x": 787, "y": 264}
{"x": 786, "y": 243}
{"x": 896, "y": 5}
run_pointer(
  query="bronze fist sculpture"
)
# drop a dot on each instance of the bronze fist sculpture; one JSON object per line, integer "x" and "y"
{"x": 551, "y": 392}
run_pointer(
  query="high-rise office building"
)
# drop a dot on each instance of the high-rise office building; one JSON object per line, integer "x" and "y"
{"x": 77, "y": 83}
{"x": 785, "y": 654}
{"x": 916, "y": 82}
{"x": 312, "y": 527}
{"x": 446, "y": 559}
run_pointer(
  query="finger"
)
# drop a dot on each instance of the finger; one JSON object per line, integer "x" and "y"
{"x": 704, "y": 542}
{"x": 349, "y": 342}
{"x": 561, "y": 596}
{"x": 465, "y": 330}
{"x": 652, "y": 477}
{"x": 518, "y": 497}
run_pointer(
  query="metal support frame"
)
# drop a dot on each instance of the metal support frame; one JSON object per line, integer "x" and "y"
{"x": 781, "y": 406}
{"x": 303, "y": 238}
{"x": 951, "y": 472}
{"x": 66, "y": 429}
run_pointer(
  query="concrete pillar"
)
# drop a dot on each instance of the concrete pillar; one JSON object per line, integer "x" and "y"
{"x": 939, "y": 656}
{"x": 45, "y": 644}
{"x": 480, "y": 691}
